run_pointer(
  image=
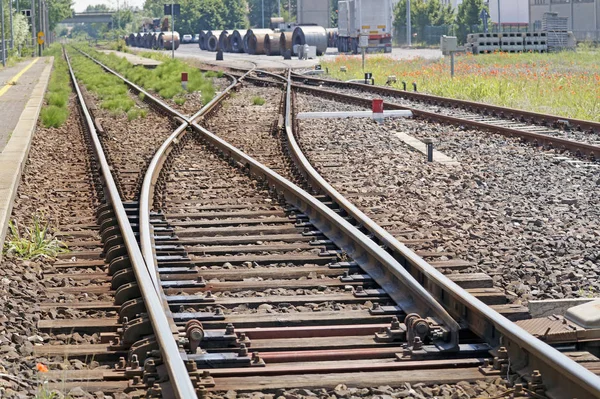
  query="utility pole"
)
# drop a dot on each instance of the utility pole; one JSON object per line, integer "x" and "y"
{"x": 12, "y": 30}
{"x": 41, "y": 25}
{"x": 263, "y": 14}
{"x": 172, "y": 31}
{"x": 33, "y": 32}
{"x": 408, "y": 30}
{"x": 279, "y": 8}
{"x": 3, "y": 42}
{"x": 499, "y": 24}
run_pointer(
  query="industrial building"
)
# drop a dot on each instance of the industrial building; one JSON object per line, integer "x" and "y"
{"x": 583, "y": 15}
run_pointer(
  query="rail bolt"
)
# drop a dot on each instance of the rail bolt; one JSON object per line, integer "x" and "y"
{"x": 503, "y": 353}
{"x": 150, "y": 365}
{"x": 135, "y": 362}
{"x": 229, "y": 329}
{"x": 201, "y": 392}
{"x": 191, "y": 365}
{"x": 417, "y": 344}
{"x": 243, "y": 351}
{"x": 536, "y": 377}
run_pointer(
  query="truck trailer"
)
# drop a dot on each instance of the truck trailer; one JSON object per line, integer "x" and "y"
{"x": 372, "y": 18}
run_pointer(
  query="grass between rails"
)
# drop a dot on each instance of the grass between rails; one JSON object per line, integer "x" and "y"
{"x": 165, "y": 79}
{"x": 565, "y": 84}
{"x": 56, "y": 110}
{"x": 113, "y": 93}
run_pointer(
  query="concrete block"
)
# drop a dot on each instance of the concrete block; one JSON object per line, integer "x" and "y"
{"x": 554, "y": 306}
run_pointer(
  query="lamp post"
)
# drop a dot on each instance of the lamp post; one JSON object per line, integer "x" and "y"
{"x": 408, "y": 29}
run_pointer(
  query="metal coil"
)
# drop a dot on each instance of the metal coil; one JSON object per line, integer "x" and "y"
{"x": 237, "y": 41}
{"x": 245, "y": 41}
{"x": 256, "y": 40}
{"x": 202, "y": 39}
{"x": 311, "y": 35}
{"x": 223, "y": 40}
{"x": 285, "y": 41}
{"x": 272, "y": 44}
{"x": 212, "y": 41}
{"x": 167, "y": 41}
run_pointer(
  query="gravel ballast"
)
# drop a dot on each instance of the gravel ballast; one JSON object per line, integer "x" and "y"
{"x": 525, "y": 216}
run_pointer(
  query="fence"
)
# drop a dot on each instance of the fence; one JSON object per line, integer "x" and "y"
{"x": 430, "y": 35}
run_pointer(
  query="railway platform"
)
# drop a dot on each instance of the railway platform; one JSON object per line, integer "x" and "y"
{"x": 22, "y": 89}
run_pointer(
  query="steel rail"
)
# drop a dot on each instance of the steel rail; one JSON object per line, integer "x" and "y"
{"x": 504, "y": 112}
{"x": 526, "y": 351}
{"x": 395, "y": 278}
{"x": 589, "y": 150}
{"x": 151, "y": 177}
{"x": 180, "y": 381}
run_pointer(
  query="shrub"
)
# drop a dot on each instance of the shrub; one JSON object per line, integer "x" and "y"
{"x": 258, "y": 101}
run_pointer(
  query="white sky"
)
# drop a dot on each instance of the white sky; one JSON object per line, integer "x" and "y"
{"x": 81, "y": 5}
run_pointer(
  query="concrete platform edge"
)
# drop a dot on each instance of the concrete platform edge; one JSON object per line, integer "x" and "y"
{"x": 14, "y": 156}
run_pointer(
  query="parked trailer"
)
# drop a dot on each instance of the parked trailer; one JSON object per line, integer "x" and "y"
{"x": 373, "y": 18}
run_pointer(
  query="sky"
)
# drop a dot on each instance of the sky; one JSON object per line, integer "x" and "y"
{"x": 81, "y": 5}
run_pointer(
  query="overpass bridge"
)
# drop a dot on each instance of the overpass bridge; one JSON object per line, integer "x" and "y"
{"x": 89, "y": 17}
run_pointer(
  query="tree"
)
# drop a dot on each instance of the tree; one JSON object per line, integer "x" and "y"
{"x": 199, "y": 15}
{"x": 255, "y": 13}
{"x": 97, "y": 8}
{"x": 236, "y": 14}
{"x": 467, "y": 18}
{"x": 423, "y": 13}
{"x": 58, "y": 10}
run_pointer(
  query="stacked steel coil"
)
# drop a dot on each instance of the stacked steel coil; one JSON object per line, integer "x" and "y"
{"x": 311, "y": 35}
{"x": 285, "y": 41}
{"x": 202, "y": 39}
{"x": 237, "y": 41}
{"x": 271, "y": 44}
{"x": 256, "y": 40}
{"x": 223, "y": 40}
{"x": 212, "y": 41}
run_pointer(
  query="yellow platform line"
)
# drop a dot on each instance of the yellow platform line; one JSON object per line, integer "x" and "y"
{"x": 16, "y": 77}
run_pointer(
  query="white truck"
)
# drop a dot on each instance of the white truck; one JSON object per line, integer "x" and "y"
{"x": 372, "y": 18}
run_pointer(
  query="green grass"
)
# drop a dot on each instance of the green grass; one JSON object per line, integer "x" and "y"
{"x": 109, "y": 89}
{"x": 56, "y": 110}
{"x": 258, "y": 101}
{"x": 565, "y": 84}
{"x": 165, "y": 79}
{"x": 33, "y": 242}
{"x": 136, "y": 113}
{"x": 179, "y": 100}
{"x": 54, "y": 116}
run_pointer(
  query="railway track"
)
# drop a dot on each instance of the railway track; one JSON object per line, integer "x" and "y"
{"x": 580, "y": 137}
{"x": 244, "y": 281}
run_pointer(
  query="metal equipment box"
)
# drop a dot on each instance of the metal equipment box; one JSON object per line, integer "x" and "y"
{"x": 448, "y": 44}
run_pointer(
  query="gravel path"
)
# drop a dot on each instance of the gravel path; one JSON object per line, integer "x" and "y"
{"x": 524, "y": 216}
